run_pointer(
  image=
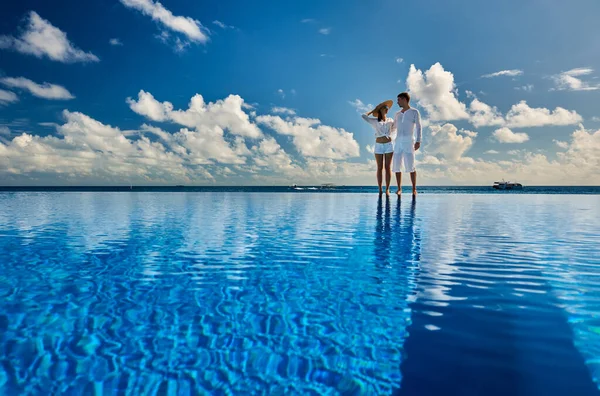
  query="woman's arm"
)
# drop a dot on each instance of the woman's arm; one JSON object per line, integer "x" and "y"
{"x": 370, "y": 120}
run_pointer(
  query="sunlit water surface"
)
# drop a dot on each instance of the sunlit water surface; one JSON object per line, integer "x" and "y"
{"x": 254, "y": 293}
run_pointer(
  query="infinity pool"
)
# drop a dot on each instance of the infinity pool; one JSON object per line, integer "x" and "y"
{"x": 266, "y": 293}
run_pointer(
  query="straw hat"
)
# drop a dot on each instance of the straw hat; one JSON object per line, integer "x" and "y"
{"x": 387, "y": 103}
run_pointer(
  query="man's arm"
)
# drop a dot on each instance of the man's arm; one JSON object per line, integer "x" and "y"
{"x": 419, "y": 129}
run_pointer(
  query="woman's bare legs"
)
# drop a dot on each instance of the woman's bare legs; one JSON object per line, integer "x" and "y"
{"x": 388, "y": 172}
{"x": 379, "y": 160}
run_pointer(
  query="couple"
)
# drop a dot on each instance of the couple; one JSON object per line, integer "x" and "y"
{"x": 395, "y": 141}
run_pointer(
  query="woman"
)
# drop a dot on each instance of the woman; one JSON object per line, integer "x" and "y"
{"x": 384, "y": 149}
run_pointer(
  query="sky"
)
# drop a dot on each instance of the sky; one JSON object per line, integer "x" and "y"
{"x": 119, "y": 92}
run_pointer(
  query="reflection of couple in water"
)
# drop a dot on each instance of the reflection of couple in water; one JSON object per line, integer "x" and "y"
{"x": 397, "y": 239}
{"x": 396, "y": 141}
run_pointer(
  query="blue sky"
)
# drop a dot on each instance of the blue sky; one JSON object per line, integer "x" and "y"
{"x": 507, "y": 89}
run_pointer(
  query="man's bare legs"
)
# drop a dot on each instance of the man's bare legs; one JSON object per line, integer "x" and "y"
{"x": 413, "y": 179}
{"x": 379, "y": 160}
{"x": 399, "y": 182}
{"x": 388, "y": 172}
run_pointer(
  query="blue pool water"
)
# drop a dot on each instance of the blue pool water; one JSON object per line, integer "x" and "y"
{"x": 182, "y": 293}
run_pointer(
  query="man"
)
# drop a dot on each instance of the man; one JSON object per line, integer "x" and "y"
{"x": 407, "y": 121}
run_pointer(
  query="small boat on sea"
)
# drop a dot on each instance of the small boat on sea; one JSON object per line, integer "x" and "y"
{"x": 507, "y": 185}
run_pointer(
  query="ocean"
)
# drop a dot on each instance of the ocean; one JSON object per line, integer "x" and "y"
{"x": 267, "y": 290}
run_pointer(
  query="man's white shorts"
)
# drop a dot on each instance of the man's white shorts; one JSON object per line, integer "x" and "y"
{"x": 404, "y": 153}
{"x": 384, "y": 148}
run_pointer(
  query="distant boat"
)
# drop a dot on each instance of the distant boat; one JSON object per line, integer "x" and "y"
{"x": 507, "y": 185}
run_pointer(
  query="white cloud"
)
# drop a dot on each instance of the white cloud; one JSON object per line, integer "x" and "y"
{"x": 223, "y": 25}
{"x": 596, "y": 119}
{"x": 521, "y": 115}
{"x": 87, "y": 150}
{"x": 115, "y": 41}
{"x": 360, "y": 106}
{"x": 447, "y": 143}
{"x": 4, "y": 131}
{"x": 435, "y": 91}
{"x": 223, "y": 114}
{"x": 430, "y": 160}
{"x": 561, "y": 144}
{"x": 483, "y": 114}
{"x": 268, "y": 153}
{"x": 468, "y": 133}
{"x": 44, "y": 90}
{"x": 281, "y": 93}
{"x": 569, "y": 80}
{"x": 516, "y": 152}
{"x": 7, "y": 97}
{"x": 40, "y": 38}
{"x": 525, "y": 88}
{"x": 312, "y": 139}
{"x": 370, "y": 149}
{"x": 325, "y": 31}
{"x": 308, "y": 20}
{"x": 189, "y": 27}
{"x": 577, "y": 165}
{"x": 283, "y": 110}
{"x": 508, "y": 73}
{"x": 200, "y": 146}
{"x": 505, "y": 135}
{"x": 399, "y": 60}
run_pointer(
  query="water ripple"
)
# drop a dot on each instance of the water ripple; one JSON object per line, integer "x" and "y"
{"x": 209, "y": 293}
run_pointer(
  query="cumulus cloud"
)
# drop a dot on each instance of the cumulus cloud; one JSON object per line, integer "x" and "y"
{"x": 447, "y": 143}
{"x": 505, "y": 135}
{"x": 86, "y": 149}
{"x": 312, "y": 139}
{"x": 577, "y": 165}
{"x": 115, "y": 41}
{"x": 268, "y": 153}
{"x": 436, "y": 93}
{"x": 224, "y": 114}
{"x": 189, "y": 27}
{"x": 483, "y": 114}
{"x": 370, "y": 149}
{"x": 200, "y": 146}
{"x": 508, "y": 73}
{"x": 399, "y": 60}
{"x": 4, "y": 131}
{"x": 561, "y": 144}
{"x": 325, "y": 31}
{"x": 308, "y": 20}
{"x": 468, "y": 133}
{"x": 41, "y": 39}
{"x": 571, "y": 81}
{"x": 7, "y": 97}
{"x": 44, "y": 90}
{"x": 521, "y": 116}
{"x": 282, "y": 110}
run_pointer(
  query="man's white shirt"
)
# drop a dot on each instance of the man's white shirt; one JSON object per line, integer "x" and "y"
{"x": 407, "y": 125}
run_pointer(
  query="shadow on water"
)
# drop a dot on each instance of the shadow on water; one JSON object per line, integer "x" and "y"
{"x": 484, "y": 340}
